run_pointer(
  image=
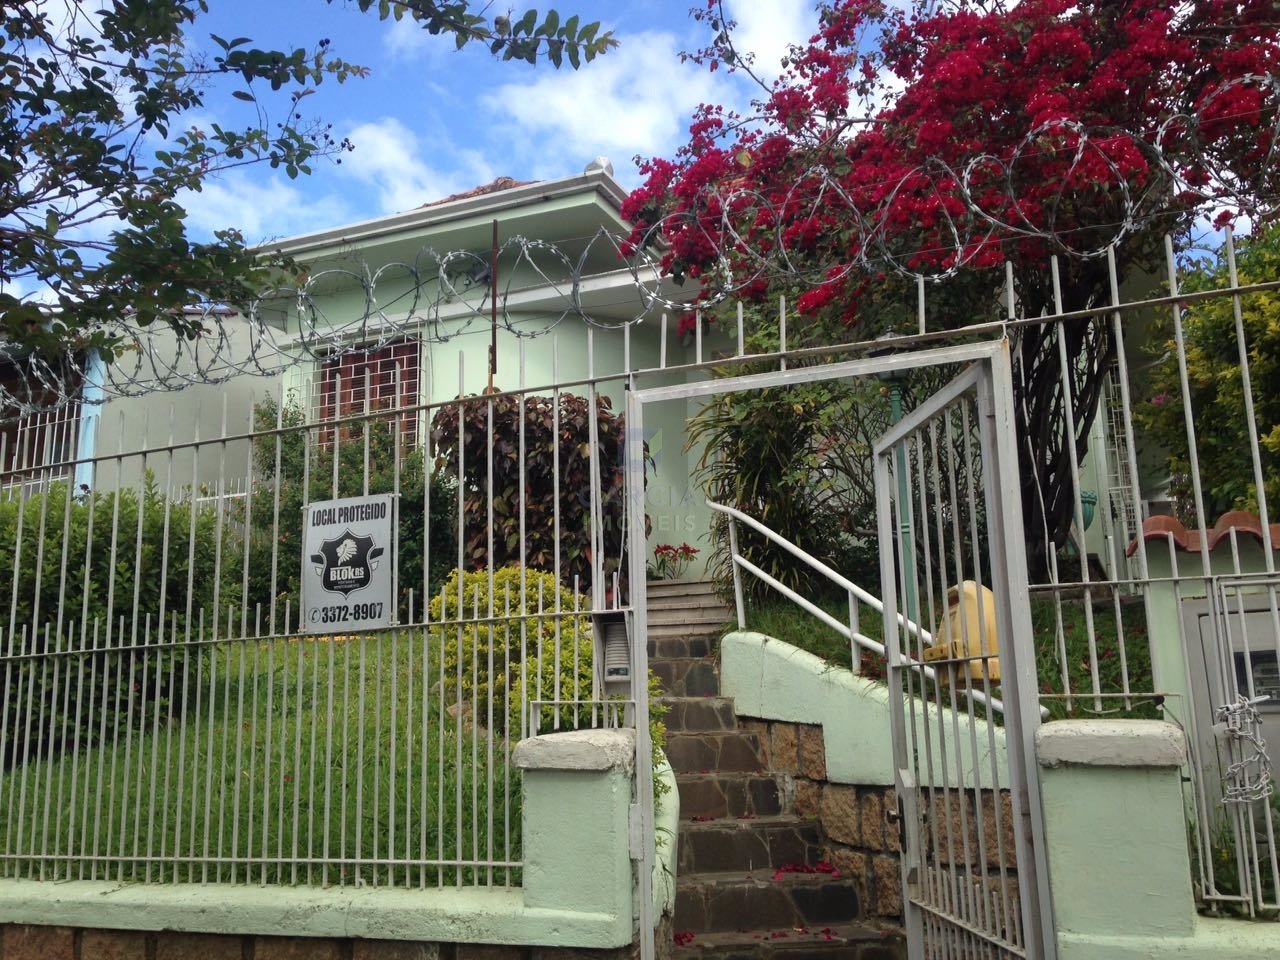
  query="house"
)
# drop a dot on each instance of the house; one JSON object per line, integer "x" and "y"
{"x": 398, "y": 310}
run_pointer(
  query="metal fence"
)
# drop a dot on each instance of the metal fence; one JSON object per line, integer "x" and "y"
{"x": 169, "y": 713}
{"x": 1172, "y": 612}
{"x": 191, "y": 695}
{"x": 30, "y": 444}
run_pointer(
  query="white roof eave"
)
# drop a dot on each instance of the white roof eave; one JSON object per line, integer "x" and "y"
{"x": 602, "y": 183}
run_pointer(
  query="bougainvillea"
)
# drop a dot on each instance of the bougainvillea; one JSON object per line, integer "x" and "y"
{"x": 900, "y": 143}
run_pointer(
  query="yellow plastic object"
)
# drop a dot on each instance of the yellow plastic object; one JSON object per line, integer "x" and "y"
{"x": 967, "y": 631}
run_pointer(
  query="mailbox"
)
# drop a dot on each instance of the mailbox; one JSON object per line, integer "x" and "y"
{"x": 965, "y": 639}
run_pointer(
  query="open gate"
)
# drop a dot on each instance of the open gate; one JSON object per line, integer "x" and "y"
{"x": 962, "y": 674}
{"x": 977, "y": 887}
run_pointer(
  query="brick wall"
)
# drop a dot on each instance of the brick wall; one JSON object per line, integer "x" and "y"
{"x": 857, "y": 839}
{"x": 26, "y": 942}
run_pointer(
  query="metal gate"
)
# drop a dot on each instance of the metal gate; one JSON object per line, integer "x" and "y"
{"x": 962, "y": 675}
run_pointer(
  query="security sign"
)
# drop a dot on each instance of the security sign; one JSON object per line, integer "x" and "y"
{"x": 347, "y": 564}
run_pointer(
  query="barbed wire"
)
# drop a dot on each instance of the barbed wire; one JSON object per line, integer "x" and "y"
{"x": 440, "y": 296}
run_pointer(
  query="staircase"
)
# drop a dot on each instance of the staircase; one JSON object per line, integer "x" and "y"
{"x": 751, "y": 882}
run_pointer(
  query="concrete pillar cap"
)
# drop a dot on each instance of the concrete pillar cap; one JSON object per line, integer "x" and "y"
{"x": 1111, "y": 743}
{"x": 578, "y": 750}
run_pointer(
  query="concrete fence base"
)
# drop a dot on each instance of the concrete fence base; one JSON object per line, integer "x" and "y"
{"x": 576, "y": 901}
{"x": 1116, "y": 840}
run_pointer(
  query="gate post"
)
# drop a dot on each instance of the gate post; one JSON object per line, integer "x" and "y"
{"x": 1022, "y": 695}
{"x": 1115, "y": 831}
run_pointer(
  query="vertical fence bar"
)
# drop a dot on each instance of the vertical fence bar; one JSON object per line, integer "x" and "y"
{"x": 634, "y": 487}
{"x": 595, "y": 533}
{"x": 489, "y": 629}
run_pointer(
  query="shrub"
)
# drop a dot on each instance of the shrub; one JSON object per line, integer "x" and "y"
{"x": 501, "y": 692}
{"x": 501, "y": 670}
{"x": 541, "y": 495}
{"x": 132, "y": 560}
{"x": 1216, "y": 389}
{"x": 279, "y": 468}
{"x": 798, "y": 459}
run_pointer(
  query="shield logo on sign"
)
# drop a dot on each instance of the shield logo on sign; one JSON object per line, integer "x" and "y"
{"x": 346, "y": 563}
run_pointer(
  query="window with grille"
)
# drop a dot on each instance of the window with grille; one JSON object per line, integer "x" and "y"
{"x": 36, "y": 448}
{"x": 377, "y": 378}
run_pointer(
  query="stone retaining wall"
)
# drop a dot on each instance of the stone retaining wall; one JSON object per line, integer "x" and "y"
{"x": 23, "y": 942}
{"x": 856, "y": 837}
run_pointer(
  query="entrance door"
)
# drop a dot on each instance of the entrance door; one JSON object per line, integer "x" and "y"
{"x": 962, "y": 674}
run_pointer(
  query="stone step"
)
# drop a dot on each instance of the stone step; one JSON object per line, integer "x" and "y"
{"x": 681, "y": 647}
{"x": 694, "y": 714}
{"x": 709, "y": 752}
{"x": 841, "y": 941}
{"x": 688, "y": 676}
{"x": 713, "y": 796}
{"x": 741, "y": 846}
{"x": 679, "y": 588}
{"x": 698, "y": 616}
{"x": 686, "y": 601}
{"x": 764, "y": 901}
{"x": 662, "y": 631}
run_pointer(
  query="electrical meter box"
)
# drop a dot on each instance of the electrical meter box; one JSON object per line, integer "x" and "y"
{"x": 612, "y": 630}
{"x": 965, "y": 648}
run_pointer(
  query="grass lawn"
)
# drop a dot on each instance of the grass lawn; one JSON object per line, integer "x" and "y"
{"x": 1055, "y": 631}
{"x": 272, "y": 774}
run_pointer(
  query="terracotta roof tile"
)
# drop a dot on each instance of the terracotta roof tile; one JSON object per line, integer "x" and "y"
{"x": 1164, "y": 528}
{"x": 498, "y": 185}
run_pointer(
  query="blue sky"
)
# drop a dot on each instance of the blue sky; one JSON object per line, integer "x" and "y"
{"x": 430, "y": 121}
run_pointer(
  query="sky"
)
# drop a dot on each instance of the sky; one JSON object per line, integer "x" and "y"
{"x": 430, "y": 120}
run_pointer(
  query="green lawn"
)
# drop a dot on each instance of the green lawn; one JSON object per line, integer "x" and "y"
{"x": 272, "y": 774}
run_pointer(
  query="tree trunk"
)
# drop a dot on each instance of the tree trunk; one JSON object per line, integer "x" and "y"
{"x": 1057, "y": 407}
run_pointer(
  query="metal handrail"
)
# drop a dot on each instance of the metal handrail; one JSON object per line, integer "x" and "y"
{"x": 856, "y": 595}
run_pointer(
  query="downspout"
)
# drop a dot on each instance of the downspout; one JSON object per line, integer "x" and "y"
{"x": 92, "y": 396}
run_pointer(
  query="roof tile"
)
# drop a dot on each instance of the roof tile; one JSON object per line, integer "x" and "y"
{"x": 1171, "y": 528}
{"x": 496, "y": 186}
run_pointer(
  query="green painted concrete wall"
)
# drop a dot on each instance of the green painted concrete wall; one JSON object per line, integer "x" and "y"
{"x": 666, "y": 838}
{"x": 1119, "y": 862}
{"x": 773, "y": 680}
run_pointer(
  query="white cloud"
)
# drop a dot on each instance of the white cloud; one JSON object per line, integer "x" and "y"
{"x": 388, "y": 158}
{"x": 261, "y": 209}
{"x": 68, "y": 18}
{"x": 635, "y": 100}
{"x": 406, "y": 39}
{"x": 766, "y": 28}
{"x": 29, "y": 288}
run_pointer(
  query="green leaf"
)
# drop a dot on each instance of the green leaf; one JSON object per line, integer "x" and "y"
{"x": 526, "y": 23}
